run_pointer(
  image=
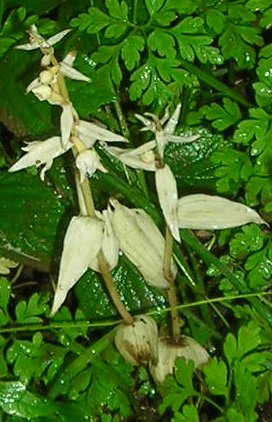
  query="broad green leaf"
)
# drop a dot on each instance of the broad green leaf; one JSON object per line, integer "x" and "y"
{"x": 95, "y": 302}
{"x": 15, "y": 399}
{"x": 27, "y": 203}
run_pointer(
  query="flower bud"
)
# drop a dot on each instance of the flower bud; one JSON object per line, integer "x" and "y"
{"x": 168, "y": 351}
{"x": 138, "y": 342}
{"x": 142, "y": 242}
{"x": 87, "y": 162}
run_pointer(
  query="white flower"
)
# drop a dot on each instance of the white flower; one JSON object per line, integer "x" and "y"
{"x": 164, "y": 135}
{"x": 110, "y": 244}
{"x": 37, "y": 41}
{"x": 142, "y": 242}
{"x": 87, "y": 162}
{"x": 143, "y": 157}
{"x": 82, "y": 243}
{"x": 168, "y": 198}
{"x": 169, "y": 351}
{"x": 67, "y": 69}
{"x": 138, "y": 342}
{"x": 41, "y": 152}
{"x": 209, "y": 212}
{"x": 89, "y": 133}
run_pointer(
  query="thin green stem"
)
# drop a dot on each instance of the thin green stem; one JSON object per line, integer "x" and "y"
{"x": 134, "y": 15}
{"x": 122, "y": 120}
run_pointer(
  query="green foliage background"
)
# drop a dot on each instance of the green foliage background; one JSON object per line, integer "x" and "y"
{"x": 142, "y": 55}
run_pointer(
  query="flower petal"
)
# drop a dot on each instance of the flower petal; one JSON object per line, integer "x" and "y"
{"x": 81, "y": 244}
{"x": 57, "y": 37}
{"x": 139, "y": 158}
{"x": 168, "y": 198}
{"x": 171, "y": 125}
{"x": 66, "y": 123}
{"x": 40, "y": 152}
{"x": 141, "y": 241}
{"x": 87, "y": 162}
{"x": 87, "y": 132}
{"x": 66, "y": 68}
{"x": 209, "y": 212}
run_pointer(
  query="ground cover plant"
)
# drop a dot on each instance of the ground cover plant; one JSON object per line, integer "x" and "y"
{"x": 136, "y": 203}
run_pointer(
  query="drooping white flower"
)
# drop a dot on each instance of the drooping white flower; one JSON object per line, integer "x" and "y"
{"x": 142, "y": 242}
{"x": 109, "y": 246}
{"x": 166, "y": 186}
{"x": 138, "y": 342}
{"x": 168, "y": 351}
{"x": 41, "y": 152}
{"x": 87, "y": 162}
{"x": 37, "y": 41}
{"x": 210, "y": 212}
{"x": 82, "y": 243}
{"x": 164, "y": 135}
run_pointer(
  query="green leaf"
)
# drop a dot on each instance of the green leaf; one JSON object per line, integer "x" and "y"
{"x": 215, "y": 20}
{"x": 109, "y": 57}
{"x": 116, "y": 30}
{"x": 137, "y": 295}
{"x": 189, "y": 413}
{"x": 27, "y": 312}
{"x": 248, "y": 240}
{"x": 16, "y": 400}
{"x": 132, "y": 46}
{"x": 93, "y": 21}
{"x": 28, "y": 203}
{"x": 222, "y": 117}
{"x": 248, "y": 339}
{"x": 162, "y": 42}
{"x": 153, "y": 5}
{"x": 117, "y": 10}
{"x": 5, "y": 291}
{"x": 216, "y": 376}
{"x": 230, "y": 348}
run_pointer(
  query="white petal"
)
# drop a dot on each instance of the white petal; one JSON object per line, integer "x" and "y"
{"x": 149, "y": 125}
{"x": 40, "y": 153}
{"x": 168, "y": 198}
{"x": 182, "y": 139}
{"x": 141, "y": 241}
{"x": 139, "y": 158}
{"x": 92, "y": 131}
{"x": 57, "y": 37}
{"x": 42, "y": 92}
{"x": 88, "y": 161}
{"x": 34, "y": 84}
{"x": 81, "y": 244}
{"x": 171, "y": 125}
{"x": 28, "y": 46}
{"x": 110, "y": 245}
{"x": 66, "y": 123}
{"x": 209, "y": 212}
{"x": 72, "y": 73}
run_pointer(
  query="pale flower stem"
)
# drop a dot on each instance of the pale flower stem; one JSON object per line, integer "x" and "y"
{"x": 106, "y": 274}
{"x": 171, "y": 291}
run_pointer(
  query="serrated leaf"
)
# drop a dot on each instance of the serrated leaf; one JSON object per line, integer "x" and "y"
{"x": 27, "y": 312}
{"x": 117, "y": 10}
{"x": 93, "y": 21}
{"x": 216, "y": 375}
{"x": 153, "y": 5}
{"x": 222, "y": 117}
{"x": 248, "y": 240}
{"x": 249, "y": 338}
{"x": 215, "y": 20}
{"x": 189, "y": 413}
{"x": 130, "y": 53}
{"x": 109, "y": 56}
{"x": 162, "y": 42}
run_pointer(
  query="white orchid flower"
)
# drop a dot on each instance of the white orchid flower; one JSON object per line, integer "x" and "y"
{"x": 166, "y": 186}
{"x": 37, "y": 41}
{"x": 143, "y": 157}
{"x": 210, "y": 212}
{"x": 169, "y": 351}
{"x": 138, "y": 342}
{"x": 165, "y": 134}
{"x": 82, "y": 243}
{"x": 67, "y": 69}
{"x": 89, "y": 133}
{"x": 87, "y": 162}
{"x": 41, "y": 152}
{"x": 142, "y": 243}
